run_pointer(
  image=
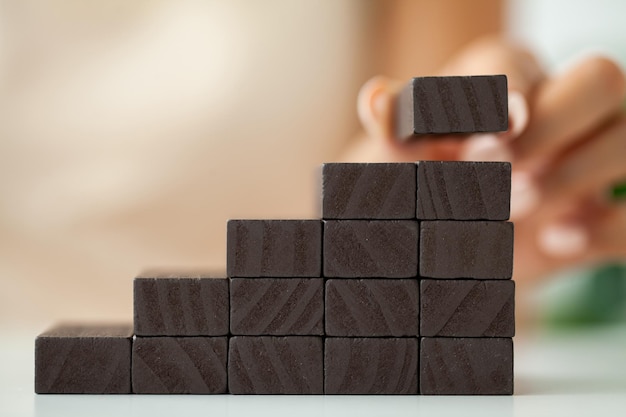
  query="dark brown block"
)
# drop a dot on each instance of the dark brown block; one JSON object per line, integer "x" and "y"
{"x": 83, "y": 359}
{"x": 274, "y": 248}
{"x": 181, "y": 304}
{"x": 378, "y": 249}
{"x": 467, "y": 308}
{"x": 275, "y": 365}
{"x": 372, "y": 307}
{"x": 368, "y": 191}
{"x": 431, "y": 105}
{"x": 179, "y": 365}
{"x": 455, "y": 249}
{"x": 370, "y": 366}
{"x": 465, "y": 366}
{"x": 277, "y": 306}
{"x": 454, "y": 190}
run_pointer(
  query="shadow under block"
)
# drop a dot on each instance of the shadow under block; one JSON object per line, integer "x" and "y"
{"x": 370, "y": 365}
{"x": 467, "y": 308}
{"x": 372, "y": 307}
{"x": 274, "y": 248}
{"x": 276, "y": 365}
{"x": 466, "y": 249}
{"x": 459, "y": 104}
{"x": 179, "y": 365}
{"x": 180, "y": 305}
{"x": 368, "y": 191}
{"x": 466, "y": 366}
{"x": 84, "y": 359}
{"x": 277, "y": 306}
{"x": 370, "y": 249}
{"x": 463, "y": 190}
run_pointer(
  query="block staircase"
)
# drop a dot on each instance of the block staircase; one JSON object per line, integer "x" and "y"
{"x": 402, "y": 287}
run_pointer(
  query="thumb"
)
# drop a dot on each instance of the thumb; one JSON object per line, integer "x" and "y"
{"x": 375, "y": 105}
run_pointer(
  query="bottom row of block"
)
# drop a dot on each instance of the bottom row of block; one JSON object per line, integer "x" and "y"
{"x": 100, "y": 360}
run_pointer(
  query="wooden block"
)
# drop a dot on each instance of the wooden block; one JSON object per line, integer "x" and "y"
{"x": 181, "y": 304}
{"x": 441, "y": 105}
{"x": 83, "y": 359}
{"x": 472, "y": 249}
{"x": 467, "y": 308}
{"x": 179, "y": 365}
{"x": 466, "y": 366}
{"x": 370, "y": 249}
{"x": 277, "y": 306}
{"x": 453, "y": 190}
{"x": 368, "y": 191}
{"x": 372, "y": 307}
{"x": 370, "y": 366}
{"x": 274, "y": 248}
{"x": 276, "y": 365}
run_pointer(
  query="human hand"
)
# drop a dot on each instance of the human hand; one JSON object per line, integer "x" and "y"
{"x": 566, "y": 140}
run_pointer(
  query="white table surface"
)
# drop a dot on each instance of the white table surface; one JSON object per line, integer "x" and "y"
{"x": 565, "y": 374}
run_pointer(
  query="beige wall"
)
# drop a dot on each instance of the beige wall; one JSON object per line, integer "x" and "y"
{"x": 131, "y": 131}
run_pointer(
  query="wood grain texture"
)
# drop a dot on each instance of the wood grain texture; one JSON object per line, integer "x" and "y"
{"x": 274, "y": 248}
{"x": 466, "y": 366}
{"x": 277, "y": 306}
{"x": 467, "y": 308}
{"x": 368, "y": 191}
{"x": 179, "y": 365}
{"x": 454, "y": 190}
{"x": 370, "y": 365}
{"x": 276, "y": 365}
{"x": 84, "y": 359}
{"x": 372, "y": 307}
{"x": 180, "y": 304}
{"x": 457, "y": 104}
{"x": 377, "y": 248}
{"x": 466, "y": 249}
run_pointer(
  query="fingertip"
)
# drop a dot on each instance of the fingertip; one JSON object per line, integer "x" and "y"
{"x": 563, "y": 240}
{"x": 525, "y": 195}
{"x": 364, "y": 98}
{"x": 518, "y": 115}
{"x": 485, "y": 147}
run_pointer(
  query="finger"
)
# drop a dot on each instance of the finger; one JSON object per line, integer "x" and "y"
{"x": 494, "y": 55}
{"x": 568, "y": 108}
{"x": 524, "y": 72}
{"x": 542, "y": 249}
{"x": 597, "y": 235}
{"x": 582, "y": 172}
{"x": 586, "y": 170}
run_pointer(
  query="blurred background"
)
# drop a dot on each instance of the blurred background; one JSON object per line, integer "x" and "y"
{"x": 130, "y": 131}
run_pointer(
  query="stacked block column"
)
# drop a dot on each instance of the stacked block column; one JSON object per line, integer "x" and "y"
{"x": 466, "y": 260}
{"x": 370, "y": 267}
{"x": 277, "y": 307}
{"x": 181, "y": 334}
